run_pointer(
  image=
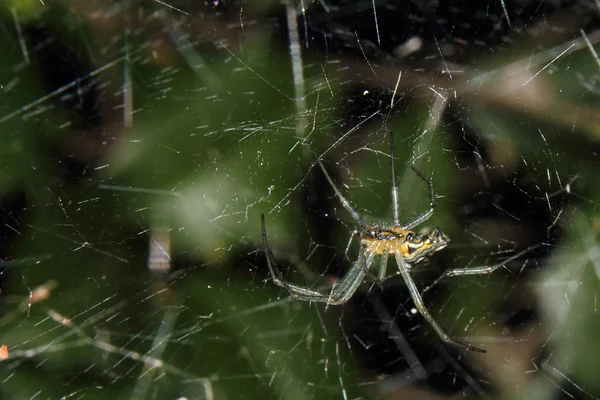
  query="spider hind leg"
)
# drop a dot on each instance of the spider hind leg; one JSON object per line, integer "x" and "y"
{"x": 340, "y": 293}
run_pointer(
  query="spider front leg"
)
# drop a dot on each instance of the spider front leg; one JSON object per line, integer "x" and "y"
{"x": 418, "y": 300}
{"x": 427, "y": 214}
{"x": 483, "y": 270}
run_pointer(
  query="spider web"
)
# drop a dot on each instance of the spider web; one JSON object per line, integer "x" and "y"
{"x": 144, "y": 139}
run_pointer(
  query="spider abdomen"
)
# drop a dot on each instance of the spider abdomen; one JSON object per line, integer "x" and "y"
{"x": 377, "y": 247}
{"x": 392, "y": 240}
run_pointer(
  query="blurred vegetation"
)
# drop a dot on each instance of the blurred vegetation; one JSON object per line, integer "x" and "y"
{"x": 141, "y": 142}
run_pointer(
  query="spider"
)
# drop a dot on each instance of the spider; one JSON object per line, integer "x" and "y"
{"x": 407, "y": 247}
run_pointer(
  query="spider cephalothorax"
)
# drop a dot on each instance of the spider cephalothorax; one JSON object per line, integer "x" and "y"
{"x": 417, "y": 247}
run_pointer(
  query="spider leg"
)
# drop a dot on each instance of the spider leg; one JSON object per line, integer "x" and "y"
{"x": 340, "y": 293}
{"x": 354, "y": 232}
{"x": 427, "y": 214}
{"x": 395, "y": 197}
{"x": 340, "y": 196}
{"x": 418, "y": 300}
{"x": 343, "y": 291}
{"x": 275, "y": 273}
{"x": 486, "y": 269}
{"x": 383, "y": 266}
